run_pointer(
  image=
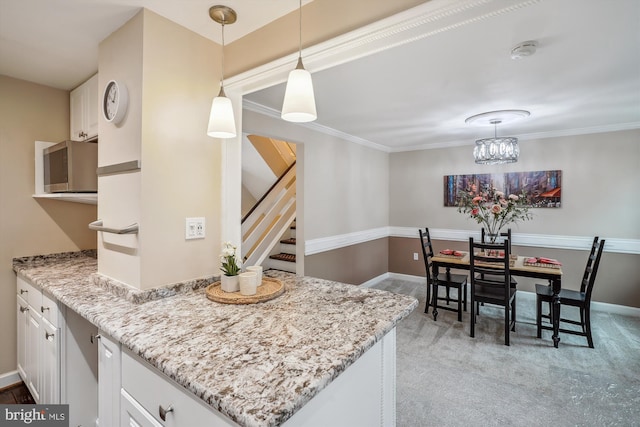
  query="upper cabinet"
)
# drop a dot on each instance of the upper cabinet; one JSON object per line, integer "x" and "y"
{"x": 84, "y": 110}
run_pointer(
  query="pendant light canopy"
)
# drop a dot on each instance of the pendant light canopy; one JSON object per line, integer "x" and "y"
{"x": 222, "y": 123}
{"x": 299, "y": 101}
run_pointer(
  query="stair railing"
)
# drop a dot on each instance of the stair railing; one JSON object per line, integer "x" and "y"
{"x": 265, "y": 223}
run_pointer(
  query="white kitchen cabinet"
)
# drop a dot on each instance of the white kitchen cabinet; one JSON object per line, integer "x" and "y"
{"x": 49, "y": 362}
{"x": 80, "y": 369}
{"x": 38, "y": 350}
{"x": 22, "y": 311}
{"x": 109, "y": 380}
{"x": 85, "y": 106}
{"x": 147, "y": 393}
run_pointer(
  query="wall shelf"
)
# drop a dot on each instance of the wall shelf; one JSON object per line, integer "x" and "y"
{"x": 86, "y": 198}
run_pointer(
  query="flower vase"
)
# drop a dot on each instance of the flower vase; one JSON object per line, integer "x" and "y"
{"x": 229, "y": 283}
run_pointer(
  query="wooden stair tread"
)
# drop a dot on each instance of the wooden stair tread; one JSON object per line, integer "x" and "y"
{"x": 284, "y": 257}
{"x": 290, "y": 241}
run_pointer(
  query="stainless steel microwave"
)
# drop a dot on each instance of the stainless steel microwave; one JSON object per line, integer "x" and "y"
{"x": 70, "y": 167}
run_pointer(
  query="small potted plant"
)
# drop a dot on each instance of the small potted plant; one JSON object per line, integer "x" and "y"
{"x": 230, "y": 267}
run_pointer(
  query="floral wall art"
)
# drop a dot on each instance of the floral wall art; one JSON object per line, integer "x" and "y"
{"x": 542, "y": 188}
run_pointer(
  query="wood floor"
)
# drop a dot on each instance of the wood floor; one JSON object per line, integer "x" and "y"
{"x": 16, "y": 394}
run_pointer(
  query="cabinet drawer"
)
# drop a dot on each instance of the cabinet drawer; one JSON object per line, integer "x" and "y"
{"x": 152, "y": 389}
{"x": 32, "y": 294}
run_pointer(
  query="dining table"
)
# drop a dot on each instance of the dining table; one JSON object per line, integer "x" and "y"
{"x": 520, "y": 266}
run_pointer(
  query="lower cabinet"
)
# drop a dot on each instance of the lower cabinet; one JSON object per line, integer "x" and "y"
{"x": 149, "y": 398}
{"x": 80, "y": 370}
{"x": 38, "y": 338}
{"x": 109, "y": 382}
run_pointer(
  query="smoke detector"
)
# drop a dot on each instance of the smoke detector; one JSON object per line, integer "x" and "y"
{"x": 524, "y": 49}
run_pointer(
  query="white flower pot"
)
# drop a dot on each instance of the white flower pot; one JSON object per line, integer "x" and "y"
{"x": 258, "y": 270}
{"x": 230, "y": 283}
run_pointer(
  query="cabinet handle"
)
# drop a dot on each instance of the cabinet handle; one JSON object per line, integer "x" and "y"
{"x": 23, "y": 309}
{"x": 43, "y": 308}
{"x": 163, "y": 412}
{"x": 95, "y": 337}
{"x": 47, "y": 335}
{"x": 23, "y": 291}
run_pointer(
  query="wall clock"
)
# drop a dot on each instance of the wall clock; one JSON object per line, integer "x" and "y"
{"x": 115, "y": 101}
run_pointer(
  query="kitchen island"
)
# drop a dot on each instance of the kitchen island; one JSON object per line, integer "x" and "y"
{"x": 256, "y": 364}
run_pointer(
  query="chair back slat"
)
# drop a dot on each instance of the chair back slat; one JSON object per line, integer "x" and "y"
{"x": 427, "y": 251}
{"x": 592, "y": 275}
{"x": 590, "y": 260}
{"x": 489, "y": 266}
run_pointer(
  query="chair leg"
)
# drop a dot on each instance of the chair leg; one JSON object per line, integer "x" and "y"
{"x": 513, "y": 314}
{"x": 448, "y": 298}
{"x": 464, "y": 290}
{"x": 473, "y": 319}
{"x": 538, "y": 316}
{"x": 426, "y": 306}
{"x": 506, "y": 325}
{"x": 587, "y": 318}
{"x": 460, "y": 303}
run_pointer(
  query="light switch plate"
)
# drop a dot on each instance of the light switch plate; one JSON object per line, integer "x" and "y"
{"x": 194, "y": 228}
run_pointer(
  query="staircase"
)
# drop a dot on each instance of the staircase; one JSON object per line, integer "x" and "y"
{"x": 283, "y": 256}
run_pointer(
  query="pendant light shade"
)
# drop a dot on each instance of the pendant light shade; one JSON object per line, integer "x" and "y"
{"x": 299, "y": 100}
{"x": 222, "y": 123}
{"x": 497, "y": 150}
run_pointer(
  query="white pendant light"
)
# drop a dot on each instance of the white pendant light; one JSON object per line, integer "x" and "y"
{"x": 222, "y": 123}
{"x": 299, "y": 101}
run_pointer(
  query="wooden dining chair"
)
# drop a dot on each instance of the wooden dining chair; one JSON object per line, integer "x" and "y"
{"x": 489, "y": 262}
{"x": 504, "y": 235}
{"x": 580, "y": 299}
{"x": 445, "y": 279}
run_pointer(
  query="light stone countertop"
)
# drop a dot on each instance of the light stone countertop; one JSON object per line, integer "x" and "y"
{"x": 258, "y": 364}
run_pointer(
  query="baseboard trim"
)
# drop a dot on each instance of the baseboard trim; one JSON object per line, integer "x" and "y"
{"x": 595, "y": 305}
{"x": 9, "y": 378}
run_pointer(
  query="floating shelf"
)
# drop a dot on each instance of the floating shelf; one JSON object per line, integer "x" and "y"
{"x": 86, "y": 198}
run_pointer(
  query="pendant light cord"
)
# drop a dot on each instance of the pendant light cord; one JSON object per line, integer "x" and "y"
{"x": 222, "y": 62}
{"x": 300, "y": 30}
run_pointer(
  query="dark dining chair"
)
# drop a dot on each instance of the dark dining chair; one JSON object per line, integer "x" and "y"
{"x": 445, "y": 279}
{"x": 488, "y": 263}
{"x": 580, "y": 299}
{"x": 504, "y": 235}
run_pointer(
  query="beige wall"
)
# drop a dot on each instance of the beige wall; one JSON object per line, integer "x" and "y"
{"x": 353, "y": 264}
{"x": 346, "y": 185}
{"x": 599, "y": 178}
{"x": 30, "y": 112}
{"x": 599, "y": 183}
{"x": 169, "y": 72}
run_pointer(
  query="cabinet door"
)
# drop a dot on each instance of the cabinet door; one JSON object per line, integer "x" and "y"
{"x": 80, "y": 369}
{"x": 133, "y": 414}
{"x": 23, "y": 325}
{"x": 76, "y": 103}
{"x": 108, "y": 381}
{"x": 34, "y": 341}
{"x": 92, "y": 107}
{"x": 50, "y": 363}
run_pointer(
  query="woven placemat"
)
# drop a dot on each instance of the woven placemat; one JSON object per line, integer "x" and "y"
{"x": 270, "y": 289}
{"x": 440, "y": 254}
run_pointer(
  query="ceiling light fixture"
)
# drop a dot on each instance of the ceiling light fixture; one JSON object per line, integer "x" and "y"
{"x": 491, "y": 151}
{"x": 299, "y": 101}
{"x": 222, "y": 123}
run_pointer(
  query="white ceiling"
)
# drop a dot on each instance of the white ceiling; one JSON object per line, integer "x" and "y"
{"x": 55, "y": 42}
{"x": 585, "y": 76}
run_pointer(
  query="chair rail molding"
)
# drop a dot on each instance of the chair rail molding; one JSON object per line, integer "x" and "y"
{"x": 613, "y": 245}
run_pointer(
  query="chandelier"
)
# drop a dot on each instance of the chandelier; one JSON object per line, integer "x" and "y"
{"x": 496, "y": 150}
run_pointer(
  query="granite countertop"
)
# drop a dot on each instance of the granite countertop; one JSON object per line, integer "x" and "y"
{"x": 258, "y": 364}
